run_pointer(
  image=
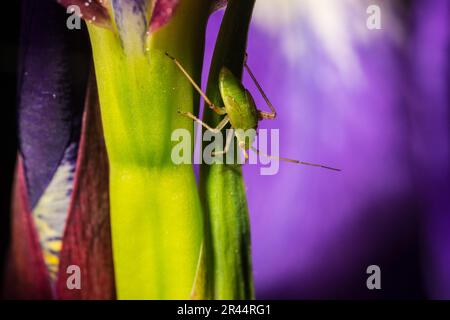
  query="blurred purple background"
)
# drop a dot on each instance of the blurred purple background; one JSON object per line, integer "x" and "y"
{"x": 374, "y": 103}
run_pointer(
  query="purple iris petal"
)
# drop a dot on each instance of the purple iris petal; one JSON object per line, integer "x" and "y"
{"x": 52, "y": 80}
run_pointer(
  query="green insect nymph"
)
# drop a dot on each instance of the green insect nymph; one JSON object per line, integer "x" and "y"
{"x": 239, "y": 106}
{"x": 239, "y": 110}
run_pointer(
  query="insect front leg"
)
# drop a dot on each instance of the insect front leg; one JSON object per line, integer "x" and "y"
{"x": 216, "y": 109}
{"x": 217, "y": 129}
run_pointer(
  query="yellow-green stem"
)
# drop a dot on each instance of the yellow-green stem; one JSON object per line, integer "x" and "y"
{"x": 156, "y": 217}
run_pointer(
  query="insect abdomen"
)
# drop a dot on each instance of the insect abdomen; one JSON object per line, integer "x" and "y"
{"x": 239, "y": 103}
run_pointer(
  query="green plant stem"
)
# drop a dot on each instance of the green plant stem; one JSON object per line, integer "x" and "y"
{"x": 156, "y": 217}
{"x": 222, "y": 188}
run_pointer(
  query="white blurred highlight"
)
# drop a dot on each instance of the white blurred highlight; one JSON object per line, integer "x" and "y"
{"x": 338, "y": 27}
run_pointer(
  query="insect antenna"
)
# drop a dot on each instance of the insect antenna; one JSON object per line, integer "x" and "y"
{"x": 294, "y": 161}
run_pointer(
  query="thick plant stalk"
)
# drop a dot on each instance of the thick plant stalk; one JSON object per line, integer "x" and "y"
{"x": 222, "y": 187}
{"x": 156, "y": 217}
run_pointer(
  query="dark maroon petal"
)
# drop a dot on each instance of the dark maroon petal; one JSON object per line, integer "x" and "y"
{"x": 163, "y": 11}
{"x": 87, "y": 240}
{"x": 25, "y": 274}
{"x": 92, "y": 10}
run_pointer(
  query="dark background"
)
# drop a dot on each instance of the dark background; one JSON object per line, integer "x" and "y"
{"x": 9, "y": 43}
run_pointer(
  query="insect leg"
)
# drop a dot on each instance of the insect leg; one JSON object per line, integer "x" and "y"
{"x": 295, "y": 161}
{"x": 217, "y": 129}
{"x": 230, "y": 136}
{"x": 217, "y": 109}
{"x": 245, "y": 154}
{"x": 242, "y": 147}
{"x": 263, "y": 114}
